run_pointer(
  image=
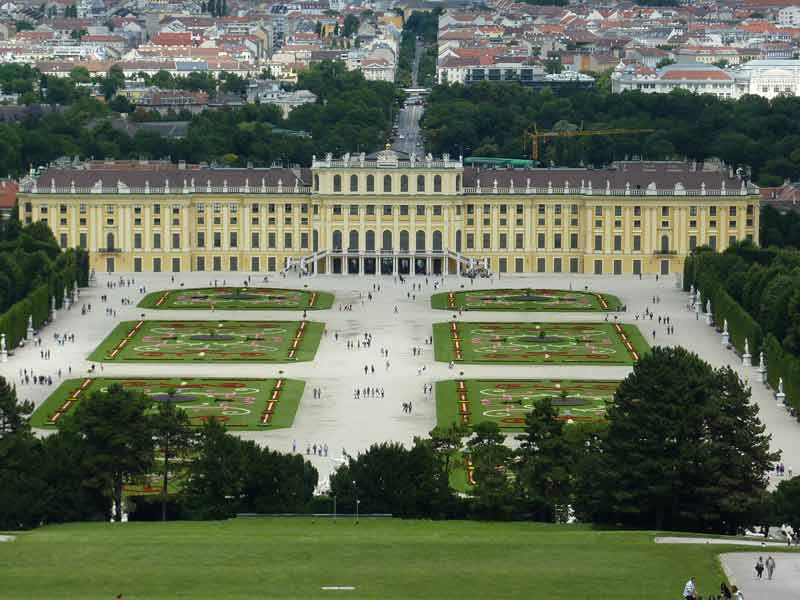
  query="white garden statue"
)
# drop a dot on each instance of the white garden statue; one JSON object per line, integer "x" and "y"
{"x": 747, "y": 357}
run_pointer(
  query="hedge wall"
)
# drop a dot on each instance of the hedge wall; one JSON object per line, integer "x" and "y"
{"x": 70, "y": 266}
{"x": 781, "y": 364}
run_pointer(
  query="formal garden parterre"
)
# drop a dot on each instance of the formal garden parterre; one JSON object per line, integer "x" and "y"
{"x": 211, "y": 341}
{"x": 507, "y": 402}
{"x": 601, "y": 343}
{"x": 240, "y": 403}
{"x": 237, "y": 298}
{"x": 526, "y": 299}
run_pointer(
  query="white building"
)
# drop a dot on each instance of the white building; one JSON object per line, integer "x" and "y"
{"x": 789, "y": 16}
{"x": 765, "y": 78}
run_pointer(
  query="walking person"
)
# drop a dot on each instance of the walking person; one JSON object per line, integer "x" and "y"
{"x": 760, "y": 567}
{"x": 689, "y": 590}
{"x": 770, "y": 564}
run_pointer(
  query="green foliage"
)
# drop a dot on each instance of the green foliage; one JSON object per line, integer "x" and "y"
{"x": 229, "y": 475}
{"x": 174, "y": 439}
{"x": 750, "y": 131}
{"x": 685, "y": 449}
{"x": 493, "y": 493}
{"x": 118, "y": 435}
{"x": 777, "y": 229}
{"x": 545, "y": 466}
{"x": 785, "y": 503}
{"x": 388, "y": 478}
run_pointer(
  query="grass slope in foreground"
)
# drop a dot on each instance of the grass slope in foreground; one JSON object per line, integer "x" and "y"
{"x": 242, "y": 404}
{"x": 601, "y": 343}
{"x": 506, "y": 401}
{"x": 295, "y": 558}
{"x": 237, "y": 298}
{"x": 526, "y": 299}
{"x": 210, "y": 341}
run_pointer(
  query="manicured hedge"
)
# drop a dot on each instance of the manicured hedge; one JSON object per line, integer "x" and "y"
{"x": 70, "y": 266}
{"x": 781, "y": 364}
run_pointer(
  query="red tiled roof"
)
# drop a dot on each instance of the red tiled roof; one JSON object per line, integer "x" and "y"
{"x": 8, "y": 193}
{"x": 695, "y": 74}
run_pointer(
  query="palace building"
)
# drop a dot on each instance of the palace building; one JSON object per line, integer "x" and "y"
{"x": 391, "y": 214}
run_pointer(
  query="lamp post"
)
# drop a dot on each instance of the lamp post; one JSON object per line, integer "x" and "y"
{"x": 355, "y": 487}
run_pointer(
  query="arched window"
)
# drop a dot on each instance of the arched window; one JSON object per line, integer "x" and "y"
{"x": 387, "y": 240}
{"x": 315, "y": 240}
{"x": 437, "y": 183}
{"x": 370, "y": 241}
{"x": 437, "y": 241}
{"x": 420, "y": 183}
{"x": 337, "y": 183}
{"x": 110, "y": 241}
{"x": 370, "y": 183}
{"x": 665, "y": 243}
{"x": 458, "y": 240}
{"x": 353, "y": 240}
{"x": 420, "y": 241}
{"x": 403, "y": 241}
{"x": 316, "y": 183}
{"x": 458, "y": 183}
{"x": 337, "y": 240}
{"x": 353, "y": 183}
{"x": 387, "y": 184}
{"x": 404, "y": 183}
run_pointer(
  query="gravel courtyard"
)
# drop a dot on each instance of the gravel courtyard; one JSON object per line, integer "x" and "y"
{"x": 339, "y": 420}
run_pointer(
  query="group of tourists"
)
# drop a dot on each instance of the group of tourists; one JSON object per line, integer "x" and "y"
{"x": 725, "y": 592}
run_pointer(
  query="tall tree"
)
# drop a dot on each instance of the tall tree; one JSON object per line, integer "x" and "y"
{"x": 493, "y": 492}
{"x": 684, "y": 450}
{"x": 174, "y": 440}
{"x": 12, "y": 412}
{"x": 544, "y": 469}
{"x": 118, "y": 435}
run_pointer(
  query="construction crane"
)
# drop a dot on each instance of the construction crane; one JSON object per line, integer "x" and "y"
{"x": 535, "y": 135}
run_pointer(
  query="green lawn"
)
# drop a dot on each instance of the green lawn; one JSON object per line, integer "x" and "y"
{"x": 506, "y": 402}
{"x": 601, "y": 343}
{"x": 381, "y": 558}
{"x": 242, "y": 404}
{"x": 525, "y": 299}
{"x": 210, "y": 341}
{"x": 238, "y": 298}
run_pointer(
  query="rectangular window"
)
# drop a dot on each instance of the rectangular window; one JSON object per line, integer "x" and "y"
{"x": 617, "y": 211}
{"x": 370, "y": 210}
{"x": 201, "y": 263}
{"x": 573, "y": 265}
{"x": 337, "y": 210}
{"x": 387, "y": 210}
{"x": 637, "y": 211}
{"x": 617, "y": 243}
{"x": 470, "y": 241}
{"x": 617, "y": 267}
{"x": 541, "y": 267}
{"x": 137, "y": 241}
{"x": 254, "y": 264}
{"x": 598, "y": 243}
{"x": 557, "y": 264}
{"x": 201, "y": 239}
{"x": 234, "y": 239}
{"x": 519, "y": 241}
{"x": 233, "y": 263}
{"x": 573, "y": 241}
{"x": 156, "y": 265}
{"x": 503, "y": 241}
{"x": 63, "y": 240}
{"x": 487, "y": 241}
{"x": 354, "y": 210}
{"x": 255, "y": 239}
{"x": 665, "y": 211}
{"x": 637, "y": 267}
{"x": 420, "y": 210}
{"x": 304, "y": 240}
{"x": 216, "y": 263}
{"x": 271, "y": 239}
{"x": 692, "y": 242}
{"x": 176, "y": 241}
{"x": 557, "y": 241}
{"x": 637, "y": 243}
{"x": 404, "y": 210}
{"x": 176, "y": 265}
{"x": 287, "y": 240}
{"x": 503, "y": 262}
{"x": 82, "y": 240}
{"x": 598, "y": 267}
{"x": 271, "y": 264}
{"x": 217, "y": 239}
{"x": 540, "y": 241}
{"x": 157, "y": 241}
{"x": 137, "y": 264}
{"x": 712, "y": 242}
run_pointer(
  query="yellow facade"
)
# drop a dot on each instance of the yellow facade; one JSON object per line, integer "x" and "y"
{"x": 361, "y": 216}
